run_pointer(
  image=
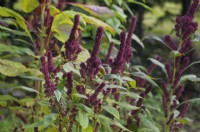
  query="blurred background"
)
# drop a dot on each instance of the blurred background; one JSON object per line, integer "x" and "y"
{"x": 155, "y": 18}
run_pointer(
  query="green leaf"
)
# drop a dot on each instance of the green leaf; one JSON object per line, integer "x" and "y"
{"x": 145, "y": 77}
{"x": 53, "y": 10}
{"x": 175, "y": 54}
{"x": 69, "y": 67}
{"x": 88, "y": 129}
{"x": 184, "y": 120}
{"x": 28, "y": 5}
{"x": 156, "y": 62}
{"x": 97, "y": 22}
{"x": 48, "y": 119}
{"x": 15, "y": 49}
{"x": 150, "y": 125}
{"x": 156, "y": 38}
{"x": 141, "y": 4}
{"x": 193, "y": 63}
{"x": 13, "y": 31}
{"x": 11, "y": 68}
{"x": 189, "y": 77}
{"x": 82, "y": 119}
{"x": 62, "y": 26}
{"x": 120, "y": 126}
{"x": 36, "y": 124}
{"x": 131, "y": 94}
{"x": 29, "y": 89}
{"x": 124, "y": 105}
{"x": 105, "y": 123}
{"x": 3, "y": 103}
{"x": 115, "y": 86}
{"x": 98, "y": 11}
{"x": 58, "y": 95}
{"x": 5, "y": 12}
{"x": 83, "y": 56}
{"x": 133, "y": 84}
{"x": 85, "y": 108}
{"x": 7, "y": 98}
{"x": 113, "y": 111}
{"x": 137, "y": 39}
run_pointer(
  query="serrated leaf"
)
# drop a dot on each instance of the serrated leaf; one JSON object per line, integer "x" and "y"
{"x": 82, "y": 119}
{"x": 11, "y": 68}
{"x": 58, "y": 95}
{"x": 113, "y": 111}
{"x": 98, "y": 11}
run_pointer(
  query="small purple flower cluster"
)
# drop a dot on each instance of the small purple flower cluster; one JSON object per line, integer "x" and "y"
{"x": 92, "y": 65}
{"x": 48, "y": 69}
{"x": 184, "y": 28}
{"x": 72, "y": 47}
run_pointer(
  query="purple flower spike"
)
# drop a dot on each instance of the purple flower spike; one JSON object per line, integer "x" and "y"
{"x": 91, "y": 67}
{"x": 75, "y": 27}
{"x": 50, "y": 61}
{"x": 179, "y": 92}
{"x": 98, "y": 90}
{"x": 184, "y": 109}
{"x": 165, "y": 92}
{"x": 169, "y": 72}
{"x": 193, "y": 8}
{"x": 128, "y": 49}
{"x": 50, "y": 87}
{"x": 118, "y": 64}
{"x": 109, "y": 52}
{"x": 170, "y": 42}
{"x": 69, "y": 83}
{"x": 97, "y": 43}
{"x": 164, "y": 101}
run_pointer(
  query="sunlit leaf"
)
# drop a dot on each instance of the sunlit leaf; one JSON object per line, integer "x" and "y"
{"x": 95, "y": 10}
{"x": 62, "y": 26}
{"x": 58, "y": 95}
{"x": 5, "y": 12}
{"x": 82, "y": 119}
{"x": 11, "y": 68}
